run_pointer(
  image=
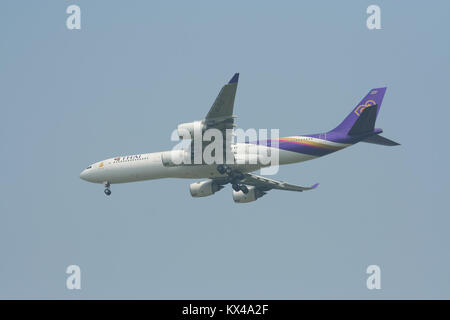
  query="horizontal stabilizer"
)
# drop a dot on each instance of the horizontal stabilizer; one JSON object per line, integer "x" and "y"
{"x": 377, "y": 139}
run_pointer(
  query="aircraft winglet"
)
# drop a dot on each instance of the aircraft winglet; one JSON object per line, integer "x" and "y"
{"x": 235, "y": 78}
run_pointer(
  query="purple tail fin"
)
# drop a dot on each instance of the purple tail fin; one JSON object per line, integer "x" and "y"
{"x": 374, "y": 97}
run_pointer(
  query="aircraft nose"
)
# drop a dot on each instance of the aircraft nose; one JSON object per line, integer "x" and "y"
{"x": 83, "y": 174}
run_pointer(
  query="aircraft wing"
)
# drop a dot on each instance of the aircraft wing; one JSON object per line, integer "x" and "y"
{"x": 265, "y": 184}
{"x": 220, "y": 116}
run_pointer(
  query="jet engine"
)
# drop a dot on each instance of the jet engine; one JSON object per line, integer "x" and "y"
{"x": 252, "y": 195}
{"x": 204, "y": 188}
{"x": 190, "y": 127}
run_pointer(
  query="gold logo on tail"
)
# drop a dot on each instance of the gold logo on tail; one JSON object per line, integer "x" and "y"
{"x": 359, "y": 109}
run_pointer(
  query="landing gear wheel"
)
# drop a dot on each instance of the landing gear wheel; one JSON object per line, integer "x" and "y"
{"x": 221, "y": 168}
{"x": 235, "y": 187}
{"x": 107, "y": 190}
{"x": 224, "y": 169}
{"x": 243, "y": 188}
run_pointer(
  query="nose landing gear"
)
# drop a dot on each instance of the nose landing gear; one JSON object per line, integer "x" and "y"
{"x": 107, "y": 190}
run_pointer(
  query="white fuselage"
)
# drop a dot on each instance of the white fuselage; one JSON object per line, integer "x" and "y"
{"x": 150, "y": 166}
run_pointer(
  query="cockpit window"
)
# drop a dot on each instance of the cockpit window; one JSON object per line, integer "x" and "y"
{"x": 89, "y": 167}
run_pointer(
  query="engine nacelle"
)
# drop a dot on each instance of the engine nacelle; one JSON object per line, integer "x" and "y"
{"x": 252, "y": 195}
{"x": 174, "y": 158}
{"x": 190, "y": 127}
{"x": 204, "y": 188}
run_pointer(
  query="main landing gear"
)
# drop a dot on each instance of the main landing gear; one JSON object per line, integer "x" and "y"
{"x": 234, "y": 176}
{"x": 107, "y": 190}
{"x": 224, "y": 169}
{"x": 240, "y": 187}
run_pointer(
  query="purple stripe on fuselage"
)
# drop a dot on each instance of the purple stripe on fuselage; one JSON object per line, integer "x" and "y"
{"x": 297, "y": 147}
{"x": 316, "y": 150}
{"x": 305, "y": 149}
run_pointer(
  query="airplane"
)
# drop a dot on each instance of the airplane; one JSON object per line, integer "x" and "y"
{"x": 358, "y": 126}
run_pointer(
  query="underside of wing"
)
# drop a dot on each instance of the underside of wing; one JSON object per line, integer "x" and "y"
{"x": 265, "y": 184}
{"x": 220, "y": 115}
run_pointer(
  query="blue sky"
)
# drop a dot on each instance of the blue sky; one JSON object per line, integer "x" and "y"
{"x": 135, "y": 70}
